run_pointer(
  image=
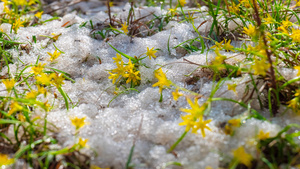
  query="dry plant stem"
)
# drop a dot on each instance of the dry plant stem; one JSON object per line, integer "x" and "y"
{"x": 272, "y": 72}
{"x": 227, "y": 7}
{"x": 109, "y": 12}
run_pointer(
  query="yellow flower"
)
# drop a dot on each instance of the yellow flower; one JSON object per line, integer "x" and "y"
{"x": 113, "y": 76}
{"x": 182, "y": 3}
{"x": 118, "y": 58}
{"x": 43, "y": 79}
{"x": 176, "y": 94}
{"x": 20, "y": 2}
{"x": 195, "y": 110}
{"x": 54, "y": 55}
{"x": 42, "y": 90}
{"x": 82, "y": 142}
{"x": 9, "y": 84}
{"x": 219, "y": 60}
{"x": 232, "y": 87}
{"x": 269, "y": 19}
{"x": 38, "y": 69}
{"x": 96, "y": 167}
{"x": 78, "y": 122}
{"x": 297, "y": 3}
{"x": 55, "y": 36}
{"x": 14, "y": 107}
{"x": 151, "y": 52}
{"x": 287, "y": 23}
{"x": 297, "y": 68}
{"x": 172, "y": 11}
{"x": 262, "y": 135}
{"x": 227, "y": 46}
{"x": 124, "y": 28}
{"x": 294, "y": 104}
{"x": 188, "y": 121}
{"x": 32, "y": 94}
{"x": 218, "y": 45}
{"x": 5, "y": 160}
{"x": 201, "y": 124}
{"x": 260, "y": 66}
{"x": 21, "y": 117}
{"x": 295, "y": 35}
{"x": 242, "y": 157}
{"x": 39, "y": 14}
{"x": 31, "y": 2}
{"x": 132, "y": 76}
{"x": 57, "y": 80}
{"x": 251, "y": 31}
{"x": 297, "y": 92}
{"x": 234, "y": 122}
{"x": 162, "y": 80}
{"x": 17, "y": 24}
{"x": 234, "y": 8}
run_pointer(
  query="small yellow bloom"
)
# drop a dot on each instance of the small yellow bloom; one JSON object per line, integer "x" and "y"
{"x": 297, "y": 92}
{"x": 39, "y": 14}
{"x": 202, "y": 125}
{"x": 295, "y": 35}
{"x": 43, "y": 79}
{"x": 242, "y": 157}
{"x": 54, "y": 55}
{"x": 188, "y": 121}
{"x": 78, "y": 122}
{"x": 162, "y": 80}
{"x": 14, "y": 107}
{"x": 131, "y": 75}
{"x": 9, "y": 84}
{"x": 251, "y": 31}
{"x": 182, "y": 3}
{"x": 42, "y": 90}
{"x": 297, "y": 3}
{"x": 246, "y": 3}
{"x": 38, "y": 69}
{"x": 227, "y": 46}
{"x": 195, "y": 110}
{"x": 5, "y": 160}
{"x": 113, "y": 76}
{"x": 57, "y": 80}
{"x": 234, "y": 8}
{"x": 262, "y": 135}
{"x": 151, "y": 52}
{"x": 218, "y": 45}
{"x": 32, "y": 94}
{"x": 269, "y": 19}
{"x": 17, "y": 24}
{"x": 294, "y": 104}
{"x": 297, "y": 68}
{"x": 260, "y": 66}
{"x": 55, "y": 36}
{"x": 20, "y": 2}
{"x": 124, "y": 28}
{"x": 82, "y": 142}
{"x": 176, "y": 94}
{"x": 232, "y": 87}
{"x": 173, "y": 11}
{"x": 234, "y": 122}
{"x": 118, "y": 58}
{"x": 96, "y": 167}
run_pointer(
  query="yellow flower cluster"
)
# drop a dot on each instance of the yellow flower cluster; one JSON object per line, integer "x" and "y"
{"x": 194, "y": 119}
{"x": 13, "y": 9}
{"x": 129, "y": 71}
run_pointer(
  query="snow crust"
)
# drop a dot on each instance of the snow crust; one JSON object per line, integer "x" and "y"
{"x": 113, "y": 130}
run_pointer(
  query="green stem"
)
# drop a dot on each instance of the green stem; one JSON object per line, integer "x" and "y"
{"x": 177, "y": 142}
